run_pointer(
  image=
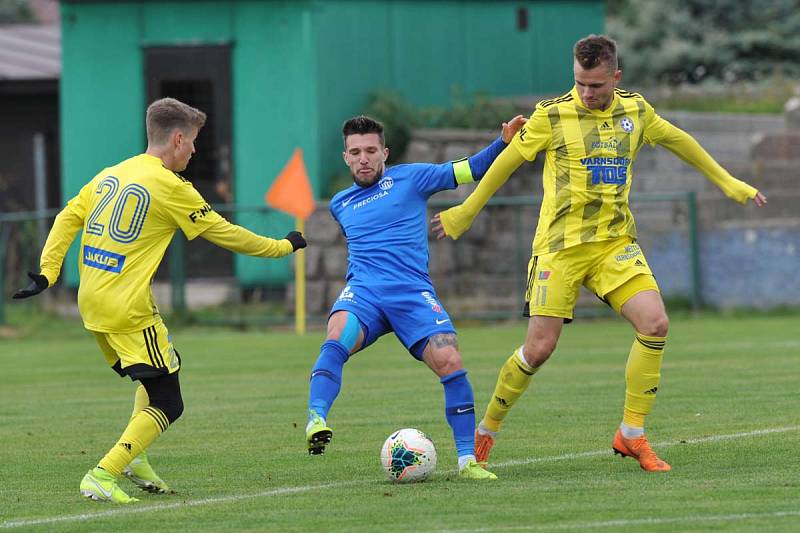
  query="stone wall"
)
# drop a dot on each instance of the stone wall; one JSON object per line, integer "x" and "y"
{"x": 748, "y": 256}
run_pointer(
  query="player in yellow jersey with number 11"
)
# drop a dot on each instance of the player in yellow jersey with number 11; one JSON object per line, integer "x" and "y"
{"x": 129, "y": 213}
{"x": 586, "y": 234}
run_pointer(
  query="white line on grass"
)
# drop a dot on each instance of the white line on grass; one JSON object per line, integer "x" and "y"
{"x": 137, "y": 509}
{"x": 699, "y": 440}
{"x": 633, "y": 522}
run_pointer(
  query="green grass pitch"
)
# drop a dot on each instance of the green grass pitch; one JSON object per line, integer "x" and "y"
{"x": 726, "y": 419}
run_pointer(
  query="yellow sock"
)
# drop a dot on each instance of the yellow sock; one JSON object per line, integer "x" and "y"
{"x": 642, "y": 376}
{"x": 142, "y": 430}
{"x": 514, "y": 378}
{"x": 140, "y": 400}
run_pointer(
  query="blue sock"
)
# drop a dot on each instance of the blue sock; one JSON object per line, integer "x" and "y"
{"x": 326, "y": 377}
{"x": 459, "y": 409}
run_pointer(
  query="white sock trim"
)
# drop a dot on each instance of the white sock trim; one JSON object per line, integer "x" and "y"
{"x": 464, "y": 459}
{"x": 521, "y": 355}
{"x": 483, "y": 430}
{"x": 630, "y": 432}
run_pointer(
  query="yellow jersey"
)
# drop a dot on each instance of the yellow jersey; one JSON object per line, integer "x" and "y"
{"x": 129, "y": 213}
{"x": 588, "y": 165}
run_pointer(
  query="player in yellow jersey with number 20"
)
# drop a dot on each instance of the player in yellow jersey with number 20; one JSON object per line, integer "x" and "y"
{"x": 129, "y": 213}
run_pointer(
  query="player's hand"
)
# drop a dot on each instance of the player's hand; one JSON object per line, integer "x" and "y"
{"x": 760, "y": 200}
{"x": 38, "y": 284}
{"x": 511, "y": 127}
{"x": 297, "y": 240}
{"x": 452, "y": 222}
{"x": 437, "y": 228}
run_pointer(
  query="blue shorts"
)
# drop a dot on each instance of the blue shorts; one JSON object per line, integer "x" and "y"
{"x": 413, "y": 313}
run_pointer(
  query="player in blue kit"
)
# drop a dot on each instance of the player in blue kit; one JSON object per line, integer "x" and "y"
{"x": 383, "y": 217}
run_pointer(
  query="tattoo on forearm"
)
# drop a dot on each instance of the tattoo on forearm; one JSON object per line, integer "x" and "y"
{"x": 440, "y": 340}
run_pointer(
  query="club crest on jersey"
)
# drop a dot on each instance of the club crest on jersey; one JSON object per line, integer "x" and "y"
{"x": 386, "y": 183}
{"x": 103, "y": 259}
{"x": 432, "y": 301}
{"x": 626, "y": 124}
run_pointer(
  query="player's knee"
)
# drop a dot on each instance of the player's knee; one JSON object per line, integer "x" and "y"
{"x": 171, "y": 406}
{"x": 538, "y": 350}
{"x": 442, "y": 355}
{"x": 179, "y": 410}
{"x": 450, "y": 361}
{"x": 657, "y": 326}
{"x": 345, "y": 328}
{"x": 165, "y": 394}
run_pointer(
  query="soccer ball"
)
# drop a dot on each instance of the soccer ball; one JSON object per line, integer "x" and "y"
{"x": 408, "y": 456}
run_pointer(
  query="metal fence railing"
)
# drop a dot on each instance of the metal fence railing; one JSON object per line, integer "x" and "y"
{"x": 481, "y": 276}
{"x": 667, "y": 230}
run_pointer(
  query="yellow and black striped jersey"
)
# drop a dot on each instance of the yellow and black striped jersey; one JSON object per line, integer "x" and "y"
{"x": 589, "y": 157}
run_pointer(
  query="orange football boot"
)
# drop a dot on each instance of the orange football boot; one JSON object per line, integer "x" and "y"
{"x": 483, "y": 445}
{"x": 639, "y": 449}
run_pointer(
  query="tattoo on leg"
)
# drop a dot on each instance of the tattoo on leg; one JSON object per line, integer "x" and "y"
{"x": 440, "y": 340}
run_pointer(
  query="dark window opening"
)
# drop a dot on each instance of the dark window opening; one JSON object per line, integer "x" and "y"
{"x": 200, "y": 77}
{"x": 202, "y": 171}
{"x": 522, "y": 18}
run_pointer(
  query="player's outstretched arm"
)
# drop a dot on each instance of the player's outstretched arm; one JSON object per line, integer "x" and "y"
{"x": 687, "y": 148}
{"x": 65, "y": 227}
{"x": 474, "y": 167}
{"x": 297, "y": 240}
{"x": 455, "y": 221}
{"x": 243, "y": 241}
{"x": 38, "y": 284}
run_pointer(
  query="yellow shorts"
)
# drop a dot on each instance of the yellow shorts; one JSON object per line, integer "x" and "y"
{"x": 614, "y": 270}
{"x": 144, "y": 354}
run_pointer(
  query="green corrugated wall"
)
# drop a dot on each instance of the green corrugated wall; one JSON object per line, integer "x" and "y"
{"x": 273, "y": 93}
{"x": 299, "y": 69}
{"x": 430, "y": 51}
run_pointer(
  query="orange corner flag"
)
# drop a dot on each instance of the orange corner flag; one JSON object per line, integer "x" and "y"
{"x": 291, "y": 190}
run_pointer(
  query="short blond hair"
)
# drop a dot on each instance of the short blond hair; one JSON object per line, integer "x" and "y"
{"x": 166, "y": 115}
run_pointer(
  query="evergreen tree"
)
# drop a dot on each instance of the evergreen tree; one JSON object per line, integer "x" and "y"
{"x": 15, "y": 11}
{"x": 677, "y": 41}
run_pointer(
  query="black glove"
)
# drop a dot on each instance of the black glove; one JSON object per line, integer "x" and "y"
{"x": 297, "y": 240}
{"x": 38, "y": 284}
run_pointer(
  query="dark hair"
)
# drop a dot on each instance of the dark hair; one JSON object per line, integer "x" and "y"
{"x": 593, "y": 50}
{"x": 361, "y": 125}
{"x": 168, "y": 114}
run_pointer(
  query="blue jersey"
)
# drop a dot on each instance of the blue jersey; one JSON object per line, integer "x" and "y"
{"x": 386, "y": 224}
